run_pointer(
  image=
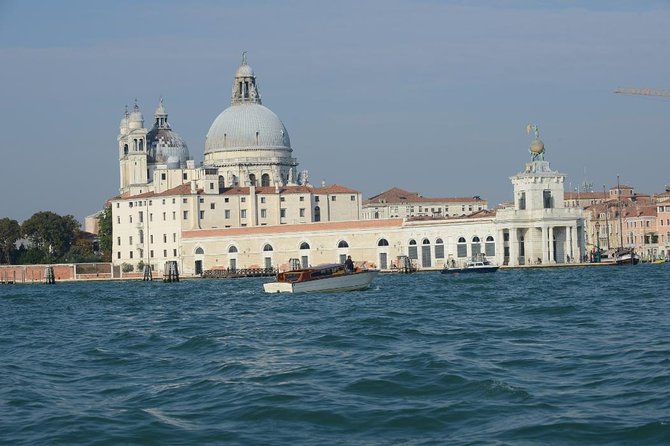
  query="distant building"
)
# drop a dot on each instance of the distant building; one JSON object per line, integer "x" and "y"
{"x": 398, "y": 203}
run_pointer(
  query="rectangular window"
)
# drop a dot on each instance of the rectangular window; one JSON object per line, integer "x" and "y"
{"x": 130, "y": 218}
{"x": 162, "y": 176}
{"x": 547, "y": 199}
{"x": 164, "y": 216}
{"x": 165, "y": 253}
{"x": 353, "y": 198}
{"x": 174, "y": 200}
{"x": 151, "y": 253}
{"x": 243, "y": 199}
{"x": 185, "y": 176}
{"x": 163, "y": 201}
{"x": 212, "y": 205}
{"x": 282, "y": 213}
{"x": 282, "y": 199}
{"x": 262, "y": 199}
{"x": 151, "y": 238}
{"x": 164, "y": 238}
{"x": 130, "y": 204}
{"x": 118, "y": 241}
{"x": 264, "y": 213}
{"x": 174, "y": 236}
{"x": 302, "y": 198}
{"x": 202, "y": 215}
{"x": 184, "y": 200}
{"x": 226, "y": 200}
{"x": 302, "y": 212}
{"x": 333, "y": 198}
{"x": 118, "y": 255}
{"x": 185, "y": 215}
{"x": 141, "y": 216}
{"x": 130, "y": 240}
{"x": 151, "y": 217}
{"x": 316, "y": 199}
{"x": 211, "y": 186}
{"x": 226, "y": 213}
{"x": 118, "y": 205}
{"x": 131, "y": 254}
{"x": 243, "y": 213}
{"x": 174, "y": 215}
{"x": 202, "y": 200}
{"x": 174, "y": 252}
{"x": 118, "y": 220}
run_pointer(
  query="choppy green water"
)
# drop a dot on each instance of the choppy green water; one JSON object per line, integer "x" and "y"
{"x": 553, "y": 356}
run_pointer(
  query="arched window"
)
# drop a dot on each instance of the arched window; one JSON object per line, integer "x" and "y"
{"x": 222, "y": 183}
{"x": 199, "y": 251}
{"x": 125, "y": 149}
{"x": 382, "y": 242}
{"x": 267, "y": 247}
{"x": 490, "y": 247}
{"x": 252, "y": 179}
{"x": 343, "y": 244}
{"x": 265, "y": 180}
{"x": 462, "y": 247}
{"x": 439, "y": 249}
{"x": 304, "y": 245}
{"x": 475, "y": 247}
{"x": 141, "y": 145}
{"x": 412, "y": 251}
{"x": 317, "y": 213}
{"x": 232, "y": 250}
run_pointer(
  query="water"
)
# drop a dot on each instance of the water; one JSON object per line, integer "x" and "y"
{"x": 552, "y": 356}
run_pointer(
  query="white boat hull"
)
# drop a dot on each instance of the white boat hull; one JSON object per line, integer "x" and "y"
{"x": 347, "y": 282}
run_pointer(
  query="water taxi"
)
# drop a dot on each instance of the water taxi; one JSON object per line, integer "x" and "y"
{"x": 329, "y": 278}
{"x": 477, "y": 264}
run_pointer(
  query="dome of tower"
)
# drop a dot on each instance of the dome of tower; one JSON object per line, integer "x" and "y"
{"x": 244, "y": 71}
{"x": 246, "y": 126}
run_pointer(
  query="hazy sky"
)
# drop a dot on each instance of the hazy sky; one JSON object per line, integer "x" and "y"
{"x": 430, "y": 96}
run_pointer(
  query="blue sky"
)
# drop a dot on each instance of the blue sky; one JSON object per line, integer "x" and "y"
{"x": 430, "y": 96}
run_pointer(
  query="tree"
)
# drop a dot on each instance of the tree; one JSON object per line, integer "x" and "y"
{"x": 105, "y": 235}
{"x": 10, "y": 232}
{"x": 51, "y": 233}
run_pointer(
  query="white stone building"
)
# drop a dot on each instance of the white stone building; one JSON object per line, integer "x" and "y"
{"x": 247, "y": 206}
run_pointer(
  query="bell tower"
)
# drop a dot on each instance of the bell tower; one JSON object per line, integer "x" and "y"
{"x": 134, "y": 176}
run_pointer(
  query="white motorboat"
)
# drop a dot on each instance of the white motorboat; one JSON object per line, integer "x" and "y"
{"x": 322, "y": 278}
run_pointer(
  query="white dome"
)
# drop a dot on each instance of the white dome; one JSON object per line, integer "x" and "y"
{"x": 246, "y": 126}
{"x": 244, "y": 71}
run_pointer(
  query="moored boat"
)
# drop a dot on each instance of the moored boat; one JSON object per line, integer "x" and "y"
{"x": 626, "y": 256}
{"x": 478, "y": 264}
{"x": 321, "y": 278}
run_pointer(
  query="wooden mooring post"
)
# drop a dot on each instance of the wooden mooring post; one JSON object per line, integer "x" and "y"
{"x": 148, "y": 277}
{"x": 171, "y": 273}
{"x": 49, "y": 276}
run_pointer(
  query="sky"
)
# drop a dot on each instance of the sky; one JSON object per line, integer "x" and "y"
{"x": 429, "y": 96}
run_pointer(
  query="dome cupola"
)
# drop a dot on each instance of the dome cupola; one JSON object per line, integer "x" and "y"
{"x": 165, "y": 145}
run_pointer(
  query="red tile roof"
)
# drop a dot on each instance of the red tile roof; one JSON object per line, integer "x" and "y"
{"x": 396, "y": 195}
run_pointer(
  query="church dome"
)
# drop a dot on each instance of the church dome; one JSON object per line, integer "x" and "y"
{"x": 164, "y": 144}
{"x": 246, "y": 126}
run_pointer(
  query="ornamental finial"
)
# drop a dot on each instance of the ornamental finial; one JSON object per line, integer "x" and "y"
{"x": 533, "y": 127}
{"x": 244, "y": 57}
